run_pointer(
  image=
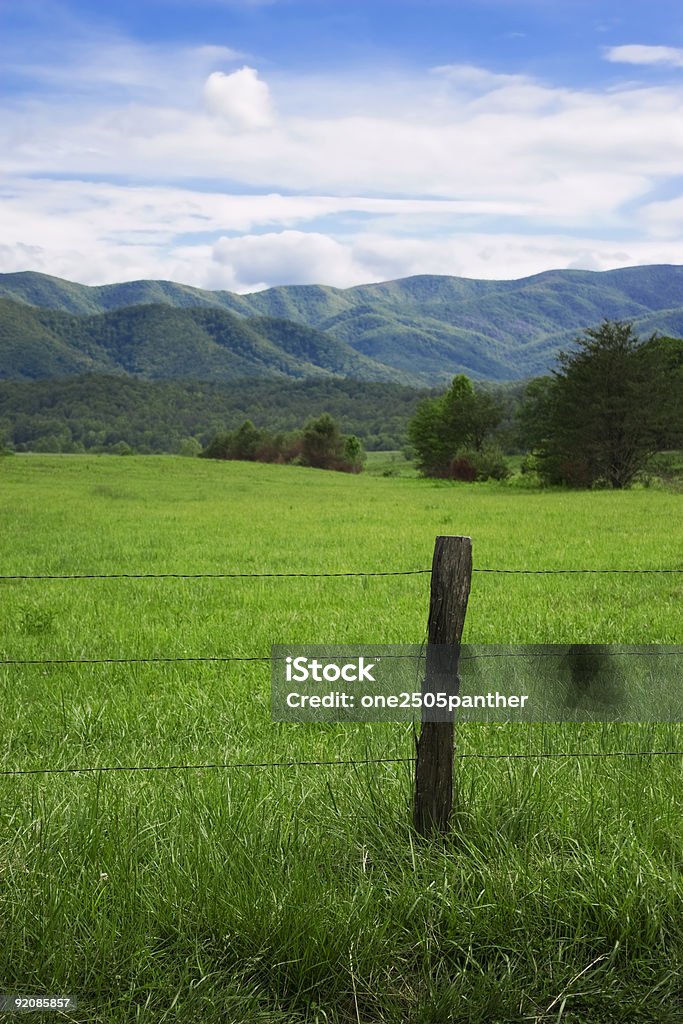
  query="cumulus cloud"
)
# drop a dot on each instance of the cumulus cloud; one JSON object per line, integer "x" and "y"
{"x": 286, "y": 257}
{"x": 240, "y": 98}
{"x": 637, "y": 54}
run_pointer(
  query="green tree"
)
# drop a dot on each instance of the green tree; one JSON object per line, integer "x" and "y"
{"x": 428, "y": 438}
{"x": 322, "y": 445}
{"x": 607, "y": 409}
{"x": 462, "y": 418}
{"x": 245, "y": 442}
{"x": 354, "y": 453}
{"x": 190, "y": 447}
{"x": 470, "y": 414}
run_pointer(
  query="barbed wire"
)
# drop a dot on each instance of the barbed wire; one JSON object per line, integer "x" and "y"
{"x": 335, "y": 763}
{"x": 553, "y": 572}
{"x": 309, "y": 575}
{"x": 407, "y": 657}
{"x": 213, "y": 575}
{"x": 126, "y": 661}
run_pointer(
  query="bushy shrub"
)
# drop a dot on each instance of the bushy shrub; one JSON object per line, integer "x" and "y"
{"x": 354, "y": 454}
{"x": 472, "y": 464}
{"x": 461, "y": 468}
{"x": 120, "y": 448}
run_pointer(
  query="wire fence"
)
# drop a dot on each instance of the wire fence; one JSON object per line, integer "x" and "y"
{"x": 253, "y": 765}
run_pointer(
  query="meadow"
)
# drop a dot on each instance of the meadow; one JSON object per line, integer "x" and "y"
{"x": 300, "y": 894}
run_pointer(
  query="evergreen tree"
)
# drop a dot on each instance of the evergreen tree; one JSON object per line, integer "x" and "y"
{"x": 322, "y": 444}
{"x": 606, "y": 410}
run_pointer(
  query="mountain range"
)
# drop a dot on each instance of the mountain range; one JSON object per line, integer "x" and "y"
{"x": 418, "y": 330}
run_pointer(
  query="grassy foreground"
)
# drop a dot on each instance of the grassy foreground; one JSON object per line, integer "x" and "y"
{"x": 299, "y": 894}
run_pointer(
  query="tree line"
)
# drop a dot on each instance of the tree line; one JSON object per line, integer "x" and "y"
{"x": 101, "y": 414}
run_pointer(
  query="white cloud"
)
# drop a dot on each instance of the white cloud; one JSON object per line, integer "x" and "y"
{"x": 285, "y": 257}
{"x": 241, "y": 98}
{"x": 637, "y": 54}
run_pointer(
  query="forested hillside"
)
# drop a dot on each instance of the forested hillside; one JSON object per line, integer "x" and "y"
{"x": 419, "y": 330}
{"x": 162, "y": 342}
{"x": 100, "y": 413}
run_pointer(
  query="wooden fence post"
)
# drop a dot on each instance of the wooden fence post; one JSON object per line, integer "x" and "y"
{"x": 450, "y": 588}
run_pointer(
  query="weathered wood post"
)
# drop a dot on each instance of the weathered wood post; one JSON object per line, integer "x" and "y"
{"x": 450, "y": 588}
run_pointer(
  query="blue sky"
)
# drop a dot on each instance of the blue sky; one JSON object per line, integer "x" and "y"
{"x": 245, "y": 143}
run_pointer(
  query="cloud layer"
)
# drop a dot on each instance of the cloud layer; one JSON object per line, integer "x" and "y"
{"x": 191, "y": 164}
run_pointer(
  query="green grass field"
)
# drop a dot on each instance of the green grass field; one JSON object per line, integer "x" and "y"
{"x": 300, "y": 894}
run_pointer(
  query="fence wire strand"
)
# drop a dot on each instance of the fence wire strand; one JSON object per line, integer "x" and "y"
{"x": 213, "y": 575}
{"x": 336, "y": 763}
{"x": 219, "y": 658}
{"x": 307, "y": 575}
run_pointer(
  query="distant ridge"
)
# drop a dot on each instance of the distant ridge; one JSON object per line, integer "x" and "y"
{"x": 419, "y": 330}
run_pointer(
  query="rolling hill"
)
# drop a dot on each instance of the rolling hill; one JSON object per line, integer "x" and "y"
{"x": 418, "y": 330}
{"x": 160, "y": 342}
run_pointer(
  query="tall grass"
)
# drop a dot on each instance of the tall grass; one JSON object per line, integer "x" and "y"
{"x": 300, "y": 894}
